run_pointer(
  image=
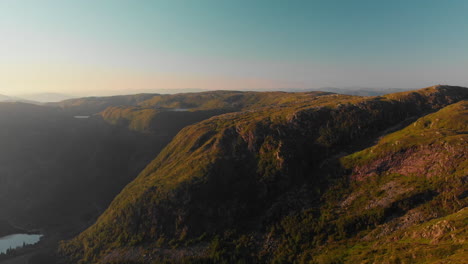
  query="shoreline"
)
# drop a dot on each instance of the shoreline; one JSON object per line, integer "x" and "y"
{"x": 7, "y": 229}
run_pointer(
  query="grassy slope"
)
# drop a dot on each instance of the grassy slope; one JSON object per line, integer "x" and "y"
{"x": 246, "y": 170}
{"x": 384, "y": 214}
{"x": 194, "y": 101}
{"x": 144, "y": 112}
{"x": 146, "y": 115}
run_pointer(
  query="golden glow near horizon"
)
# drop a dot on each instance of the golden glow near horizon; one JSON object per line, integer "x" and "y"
{"x": 93, "y": 47}
{"x": 87, "y": 81}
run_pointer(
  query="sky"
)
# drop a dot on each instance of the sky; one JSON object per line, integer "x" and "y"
{"x": 115, "y": 46}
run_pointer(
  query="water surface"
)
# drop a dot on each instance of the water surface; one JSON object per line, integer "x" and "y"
{"x": 17, "y": 240}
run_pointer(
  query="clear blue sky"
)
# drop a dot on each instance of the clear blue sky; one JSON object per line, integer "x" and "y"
{"x": 114, "y": 45}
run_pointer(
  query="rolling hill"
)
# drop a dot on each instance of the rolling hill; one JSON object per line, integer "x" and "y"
{"x": 296, "y": 178}
{"x": 63, "y": 171}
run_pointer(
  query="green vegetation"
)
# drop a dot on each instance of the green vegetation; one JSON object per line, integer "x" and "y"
{"x": 266, "y": 184}
{"x": 136, "y": 119}
{"x": 446, "y": 127}
{"x": 374, "y": 217}
{"x": 232, "y": 100}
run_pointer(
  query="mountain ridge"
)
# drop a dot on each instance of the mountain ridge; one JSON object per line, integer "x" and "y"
{"x": 252, "y": 144}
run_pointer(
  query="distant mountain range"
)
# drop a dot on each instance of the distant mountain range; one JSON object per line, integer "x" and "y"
{"x": 4, "y": 98}
{"x": 47, "y": 97}
{"x": 36, "y": 98}
{"x": 58, "y": 97}
{"x": 359, "y": 91}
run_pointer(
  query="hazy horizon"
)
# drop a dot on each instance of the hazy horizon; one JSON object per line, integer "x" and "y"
{"x": 110, "y": 47}
{"x": 190, "y": 90}
{"x": 46, "y": 96}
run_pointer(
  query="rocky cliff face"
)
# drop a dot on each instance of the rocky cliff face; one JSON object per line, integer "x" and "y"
{"x": 402, "y": 190}
{"x": 431, "y": 146}
{"x": 266, "y": 185}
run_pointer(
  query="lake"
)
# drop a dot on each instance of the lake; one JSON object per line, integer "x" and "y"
{"x": 17, "y": 240}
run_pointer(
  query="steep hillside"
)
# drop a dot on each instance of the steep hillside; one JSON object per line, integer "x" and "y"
{"x": 62, "y": 171}
{"x": 238, "y": 187}
{"x": 59, "y": 170}
{"x": 404, "y": 200}
{"x": 54, "y": 182}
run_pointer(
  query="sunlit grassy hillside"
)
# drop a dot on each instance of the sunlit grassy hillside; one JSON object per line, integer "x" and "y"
{"x": 266, "y": 185}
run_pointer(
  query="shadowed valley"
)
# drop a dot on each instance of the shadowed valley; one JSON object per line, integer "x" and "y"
{"x": 312, "y": 178}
